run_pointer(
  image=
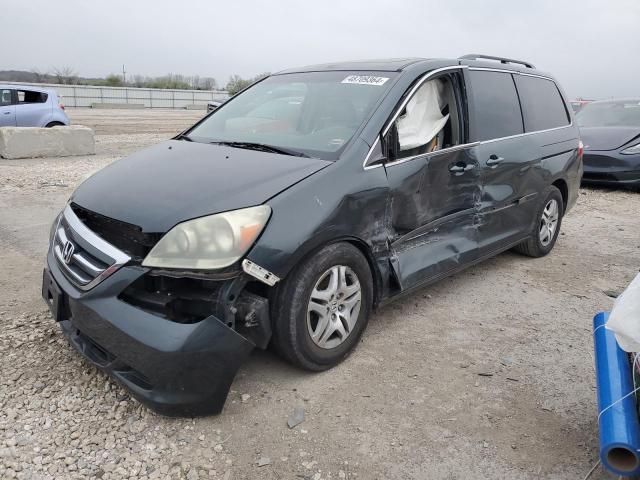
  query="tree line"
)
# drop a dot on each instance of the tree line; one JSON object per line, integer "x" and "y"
{"x": 68, "y": 76}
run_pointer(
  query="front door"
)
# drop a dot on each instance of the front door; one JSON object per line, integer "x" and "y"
{"x": 7, "y": 109}
{"x": 434, "y": 183}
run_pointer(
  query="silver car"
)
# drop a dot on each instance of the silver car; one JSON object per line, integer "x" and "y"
{"x": 26, "y": 106}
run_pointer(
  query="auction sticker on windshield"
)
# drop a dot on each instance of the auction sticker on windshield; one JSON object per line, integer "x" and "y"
{"x": 365, "y": 80}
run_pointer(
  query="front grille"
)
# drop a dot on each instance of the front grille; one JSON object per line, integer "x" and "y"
{"x": 84, "y": 258}
{"x": 80, "y": 266}
{"x": 124, "y": 236}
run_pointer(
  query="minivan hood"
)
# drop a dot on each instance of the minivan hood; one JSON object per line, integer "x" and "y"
{"x": 607, "y": 138}
{"x": 175, "y": 181}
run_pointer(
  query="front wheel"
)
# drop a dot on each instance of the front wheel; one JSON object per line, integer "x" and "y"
{"x": 549, "y": 219}
{"x": 322, "y": 307}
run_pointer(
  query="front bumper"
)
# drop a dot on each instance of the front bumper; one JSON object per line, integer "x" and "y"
{"x": 175, "y": 369}
{"x": 631, "y": 179}
{"x": 611, "y": 168}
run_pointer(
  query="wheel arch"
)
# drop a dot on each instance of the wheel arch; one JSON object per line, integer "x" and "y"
{"x": 374, "y": 264}
{"x": 561, "y": 184}
{"x": 376, "y": 276}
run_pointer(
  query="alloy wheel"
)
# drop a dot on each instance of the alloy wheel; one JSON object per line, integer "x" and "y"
{"x": 334, "y": 306}
{"x": 549, "y": 222}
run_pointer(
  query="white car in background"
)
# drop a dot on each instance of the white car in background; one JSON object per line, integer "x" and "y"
{"x": 22, "y": 106}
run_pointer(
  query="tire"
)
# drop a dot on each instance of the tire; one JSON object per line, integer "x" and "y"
{"x": 539, "y": 244}
{"x": 54, "y": 124}
{"x": 295, "y": 314}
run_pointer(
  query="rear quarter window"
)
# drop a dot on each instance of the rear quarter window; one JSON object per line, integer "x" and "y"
{"x": 494, "y": 106}
{"x": 29, "y": 96}
{"x": 542, "y": 104}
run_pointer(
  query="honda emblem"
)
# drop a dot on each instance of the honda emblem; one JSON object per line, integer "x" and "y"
{"x": 67, "y": 251}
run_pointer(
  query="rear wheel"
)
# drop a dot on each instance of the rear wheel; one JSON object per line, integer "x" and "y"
{"x": 54, "y": 124}
{"x": 322, "y": 307}
{"x": 545, "y": 234}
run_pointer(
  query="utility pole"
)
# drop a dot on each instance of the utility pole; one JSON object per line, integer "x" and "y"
{"x": 124, "y": 78}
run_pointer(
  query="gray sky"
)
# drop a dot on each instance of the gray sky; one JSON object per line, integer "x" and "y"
{"x": 592, "y": 47}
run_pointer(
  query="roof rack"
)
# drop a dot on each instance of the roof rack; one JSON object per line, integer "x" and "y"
{"x": 476, "y": 56}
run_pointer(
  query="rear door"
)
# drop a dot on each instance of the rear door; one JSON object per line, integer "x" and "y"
{"x": 32, "y": 109}
{"x": 548, "y": 122}
{"x": 509, "y": 161}
{"x": 7, "y": 109}
{"x": 434, "y": 183}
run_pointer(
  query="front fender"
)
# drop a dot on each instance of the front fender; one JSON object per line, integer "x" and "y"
{"x": 341, "y": 202}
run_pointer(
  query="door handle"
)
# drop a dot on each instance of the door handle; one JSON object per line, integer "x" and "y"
{"x": 494, "y": 160}
{"x": 7, "y": 113}
{"x": 461, "y": 168}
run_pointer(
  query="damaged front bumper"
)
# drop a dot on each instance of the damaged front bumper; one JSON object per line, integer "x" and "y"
{"x": 611, "y": 168}
{"x": 176, "y": 369}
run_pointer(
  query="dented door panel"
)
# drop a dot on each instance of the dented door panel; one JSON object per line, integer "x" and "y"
{"x": 409, "y": 209}
{"x": 433, "y": 205}
{"x": 445, "y": 245}
{"x": 510, "y": 190}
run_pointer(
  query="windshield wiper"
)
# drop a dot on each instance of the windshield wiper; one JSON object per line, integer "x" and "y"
{"x": 262, "y": 148}
{"x": 182, "y": 136}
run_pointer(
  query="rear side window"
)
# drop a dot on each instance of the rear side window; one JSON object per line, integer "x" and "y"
{"x": 495, "y": 108}
{"x": 29, "y": 96}
{"x": 542, "y": 105}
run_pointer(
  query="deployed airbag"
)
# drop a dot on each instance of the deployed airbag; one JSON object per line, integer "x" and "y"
{"x": 423, "y": 119}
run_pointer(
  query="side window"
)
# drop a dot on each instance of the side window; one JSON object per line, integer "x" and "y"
{"x": 429, "y": 121}
{"x": 494, "y": 108}
{"x": 542, "y": 105}
{"x": 5, "y": 97}
{"x": 29, "y": 96}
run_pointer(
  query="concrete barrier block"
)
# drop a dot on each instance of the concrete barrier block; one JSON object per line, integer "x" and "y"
{"x": 27, "y": 142}
{"x": 195, "y": 106}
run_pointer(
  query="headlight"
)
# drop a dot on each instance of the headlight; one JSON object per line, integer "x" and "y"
{"x": 631, "y": 150}
{"x": 215, "y": 241}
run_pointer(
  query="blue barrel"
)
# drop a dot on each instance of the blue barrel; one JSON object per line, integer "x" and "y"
{"x": 617, "y": 410}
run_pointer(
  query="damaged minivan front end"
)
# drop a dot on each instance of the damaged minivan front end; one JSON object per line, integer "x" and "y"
{"x": 146, "y": 278}
{"x": 174, "y": 338}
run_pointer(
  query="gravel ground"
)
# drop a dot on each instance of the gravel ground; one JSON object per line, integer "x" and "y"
{"x": 487, "y": 374}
